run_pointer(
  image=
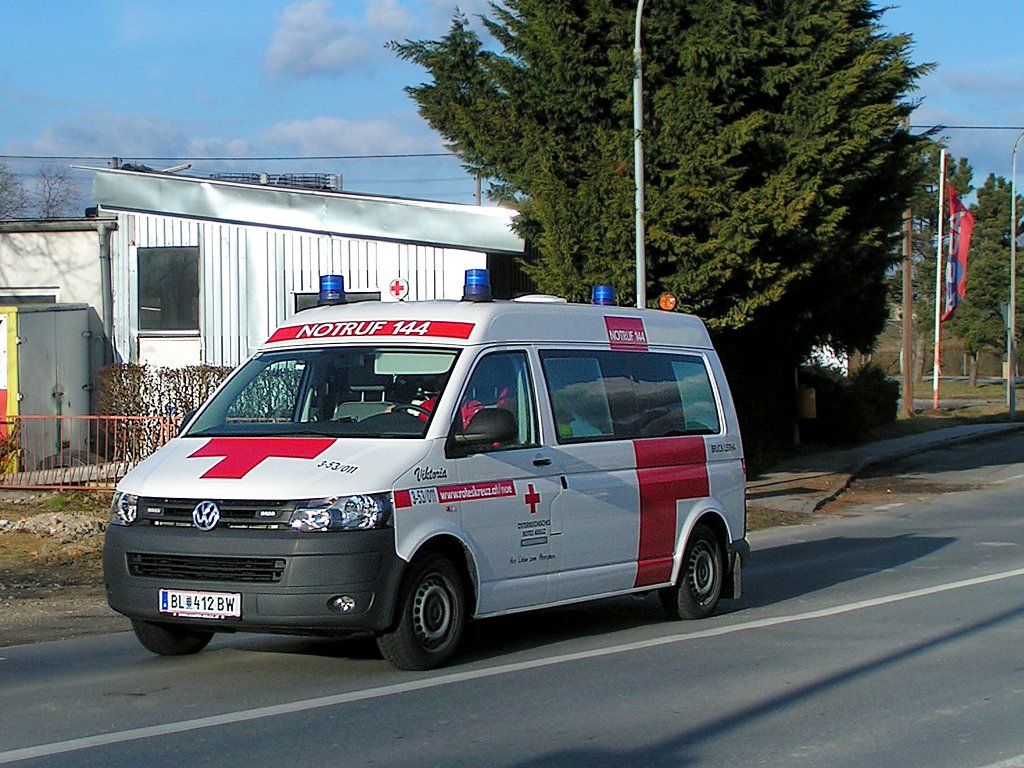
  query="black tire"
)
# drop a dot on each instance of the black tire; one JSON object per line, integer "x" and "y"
{"x": 169, "y": 639}
{"x": 700, "y": 579}
{"x": 431, "y": 616}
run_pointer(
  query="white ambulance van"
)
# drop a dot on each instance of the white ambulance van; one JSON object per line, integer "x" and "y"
{"x": 399, "y": 468}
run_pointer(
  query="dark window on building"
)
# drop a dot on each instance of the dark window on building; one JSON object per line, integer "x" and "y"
{"x": 12, "y": 299}
{"x": 169, "y": 289}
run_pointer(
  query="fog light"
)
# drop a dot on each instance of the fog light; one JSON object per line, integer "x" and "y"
{"x": 342, "y": 604}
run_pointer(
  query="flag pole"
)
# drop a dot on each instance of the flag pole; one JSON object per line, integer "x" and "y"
{"x": 938, "y": 280}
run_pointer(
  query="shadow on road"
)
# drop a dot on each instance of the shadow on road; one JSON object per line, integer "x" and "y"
{"x": 781, "y": 573}
{"x": 775, "y": 575}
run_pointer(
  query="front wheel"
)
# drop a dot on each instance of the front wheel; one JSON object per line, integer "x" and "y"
{"x": 696, "y": 593}
{"x": 432, "y": 616}
{"x": 169, "y": 639}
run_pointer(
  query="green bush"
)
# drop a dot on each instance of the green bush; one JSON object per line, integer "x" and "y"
{"x": 140, "y": 390}
{"x": 848, "y": 407}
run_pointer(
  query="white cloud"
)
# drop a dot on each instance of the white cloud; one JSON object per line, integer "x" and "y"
{"x": 389, "y": 17}
{"x": 310, "y": 41}
{"x": 129, "y": 137}
{"x": 337, "y": 136}
{"x": 116, "y": 134}
{"x": 217, "y": 147}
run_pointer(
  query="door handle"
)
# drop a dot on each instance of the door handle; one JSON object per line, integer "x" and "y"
{"x": 540, "y": 461}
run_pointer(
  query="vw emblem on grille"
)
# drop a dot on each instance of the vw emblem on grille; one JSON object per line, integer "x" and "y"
{"x": 205, "y": 516}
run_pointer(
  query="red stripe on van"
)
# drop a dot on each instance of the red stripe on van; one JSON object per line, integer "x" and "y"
{"x": 667, "y": 469}
{"x": 448, "y": 329}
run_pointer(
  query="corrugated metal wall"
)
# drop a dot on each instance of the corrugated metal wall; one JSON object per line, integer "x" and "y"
{"x": 249, "y": 276}
{"x": 223, "y": 292}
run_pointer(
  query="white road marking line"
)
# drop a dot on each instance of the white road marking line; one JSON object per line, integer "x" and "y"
{"x": 304, "y": 705}
{"x": 1008, "y": 479}
{"x": 892, "y": 505}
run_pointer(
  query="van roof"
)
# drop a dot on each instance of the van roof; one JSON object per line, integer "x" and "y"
{"x": 465, "y": 323}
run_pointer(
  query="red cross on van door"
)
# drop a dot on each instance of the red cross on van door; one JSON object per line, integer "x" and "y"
{"x": 532, "y": 498}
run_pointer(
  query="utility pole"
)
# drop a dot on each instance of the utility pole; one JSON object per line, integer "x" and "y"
{"x": 908, "y": 306}
{"x": 1011, "y": 312}
{"x": 936, "y": 362}
{"x": 638, "y": 161}
{"x": 908, "y": 315}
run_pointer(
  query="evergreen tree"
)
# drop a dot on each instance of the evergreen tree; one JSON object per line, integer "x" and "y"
{"x": 777, "y": 171}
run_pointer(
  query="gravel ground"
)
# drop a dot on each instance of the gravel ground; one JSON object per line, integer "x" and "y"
{"x": 51, "y": 583}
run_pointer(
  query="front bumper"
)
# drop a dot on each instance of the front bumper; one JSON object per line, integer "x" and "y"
{"x": 286, "y": 580}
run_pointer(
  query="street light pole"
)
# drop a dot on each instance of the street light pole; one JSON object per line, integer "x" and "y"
{"x": 638, "y": 161}
{"x": 1011, "y": 340}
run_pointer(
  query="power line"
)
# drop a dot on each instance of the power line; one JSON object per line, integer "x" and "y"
{"x": 391, "y": 155}
{"x": 941, "y": 127}
{"x": 383, "y": 156}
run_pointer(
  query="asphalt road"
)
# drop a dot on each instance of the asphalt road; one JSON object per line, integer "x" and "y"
{"x": 888, "y": 636}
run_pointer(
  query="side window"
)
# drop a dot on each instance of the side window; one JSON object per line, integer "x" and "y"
{"x": 579, "y": 397}
{"x": 502, "y": 380}
{"x": 699, "y": 408}
{"x": 604, "y": 395}
{"x": 659, "y": 406}
{"x": 169, "y": 289}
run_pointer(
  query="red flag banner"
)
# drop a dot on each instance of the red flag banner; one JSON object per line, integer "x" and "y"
{"x": 961, "y": 226}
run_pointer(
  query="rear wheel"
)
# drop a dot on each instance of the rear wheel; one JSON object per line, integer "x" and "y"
{"x": 170, "y": 639}
{"x": 432, "y": 616}
{"x": 696, "y": 593}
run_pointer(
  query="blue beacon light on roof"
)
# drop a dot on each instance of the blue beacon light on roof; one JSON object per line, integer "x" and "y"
{"x": 603, "y": 295}
{"x": 477, "y": 286}
{"x": 332, "y": 290}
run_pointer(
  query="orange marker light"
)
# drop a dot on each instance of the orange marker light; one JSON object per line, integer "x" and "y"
{"x": 667, "y": 301}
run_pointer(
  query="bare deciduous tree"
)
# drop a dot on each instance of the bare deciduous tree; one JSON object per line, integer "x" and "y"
{"x": 14, "y": 198}
{"x": 56, "y": 195}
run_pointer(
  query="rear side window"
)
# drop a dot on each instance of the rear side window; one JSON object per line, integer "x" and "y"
{"x": 602, "y": 395}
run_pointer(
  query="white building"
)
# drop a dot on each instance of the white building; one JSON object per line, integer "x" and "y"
{"x": 201, "y": 271}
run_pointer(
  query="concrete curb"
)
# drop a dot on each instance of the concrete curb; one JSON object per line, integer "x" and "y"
{"x": 848, "y": 465}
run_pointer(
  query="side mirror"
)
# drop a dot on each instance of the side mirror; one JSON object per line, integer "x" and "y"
{"x": 487, "y": 427}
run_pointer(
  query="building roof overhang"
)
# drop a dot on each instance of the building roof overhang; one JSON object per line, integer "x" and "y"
{"x": 449, "y": 225}
{"x": 38, "y": 226}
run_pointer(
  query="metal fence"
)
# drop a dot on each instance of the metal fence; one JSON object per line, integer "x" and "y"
{"x": 62, "y": 452}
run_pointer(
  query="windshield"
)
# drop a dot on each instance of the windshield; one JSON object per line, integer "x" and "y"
{"x": 334, "y": 391}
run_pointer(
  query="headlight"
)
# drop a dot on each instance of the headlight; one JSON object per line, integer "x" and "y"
{"x": 124, "y": 508}
{"x": 342, "y": 513}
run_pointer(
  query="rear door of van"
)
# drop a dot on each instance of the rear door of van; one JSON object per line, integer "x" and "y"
{"x": 630, "y": 428}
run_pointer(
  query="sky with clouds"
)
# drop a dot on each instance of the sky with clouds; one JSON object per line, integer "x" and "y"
{"x": 314, "y": 78}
